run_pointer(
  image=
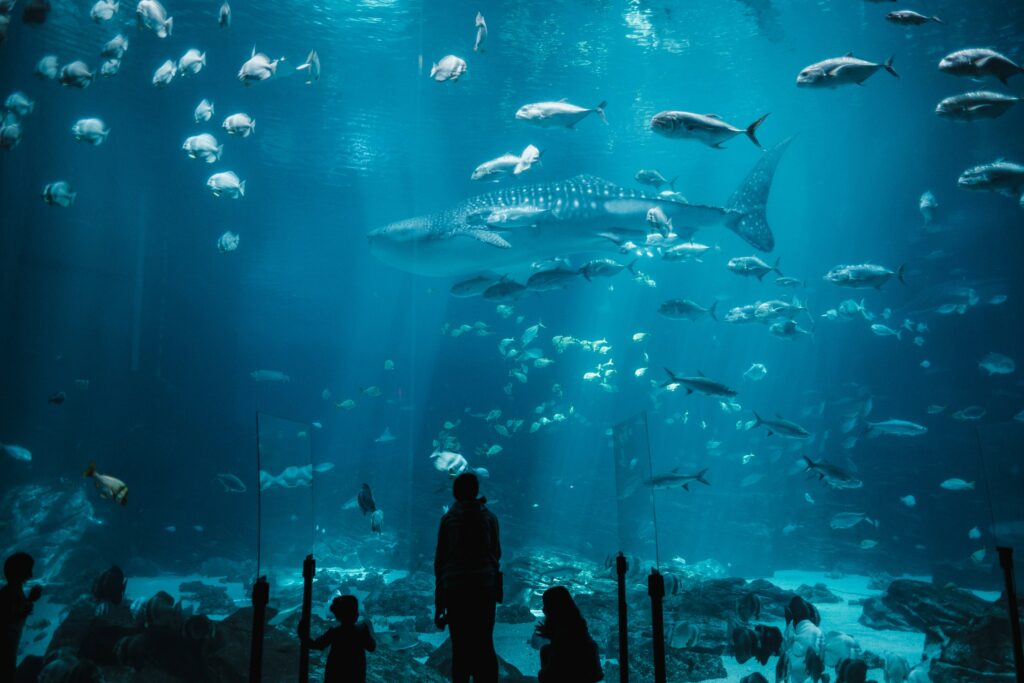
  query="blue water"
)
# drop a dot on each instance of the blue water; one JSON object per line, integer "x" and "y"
{"x": 126, "y": 289}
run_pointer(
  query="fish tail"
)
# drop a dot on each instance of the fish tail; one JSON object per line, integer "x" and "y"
{"x": 700, "y": 477}
{"x": 90, "y": 470}
{"x": 758, "y": 422}
{"x": 752, "y": 131}
{"x": 750, "y": 200}
{"x": 888, "y": 67}
{"x": 937, "y": 20}
{"x": 775, "y": 268}
{"x": 711, "y": 310}
{"x": 631, "y": 265}
{"x": 810, "y": 463}
{"x": 672, "y": 183}
{"x": 900, "y": 272}
{"x": 599, "y": 109}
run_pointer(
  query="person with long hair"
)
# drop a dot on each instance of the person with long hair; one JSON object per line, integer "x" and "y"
{"x": 571, "y": 654}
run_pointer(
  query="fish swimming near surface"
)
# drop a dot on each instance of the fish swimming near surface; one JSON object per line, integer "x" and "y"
{"x": 577, "y": 215}
{"x": 110, "y": 487}
{"x": 674, "y": 479}
{"x": 782, "y": 427}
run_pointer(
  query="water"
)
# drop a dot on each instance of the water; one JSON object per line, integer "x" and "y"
{"x": 127, "y": 292}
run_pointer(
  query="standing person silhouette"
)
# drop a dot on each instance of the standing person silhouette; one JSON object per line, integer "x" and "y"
{"x": 349, "y": 642}
{"x": 468, "y": 582}
{"x": 15, "y": 607}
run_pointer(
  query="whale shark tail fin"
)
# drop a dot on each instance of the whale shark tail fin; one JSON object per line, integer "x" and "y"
{"x": 750, "y": 200}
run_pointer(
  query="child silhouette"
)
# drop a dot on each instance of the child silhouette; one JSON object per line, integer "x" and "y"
{"x": 15, "y": 607}
{"x": 349, "y": 642}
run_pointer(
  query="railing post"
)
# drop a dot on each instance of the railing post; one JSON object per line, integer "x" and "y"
{"x": 620, "y": 571}
{"x": 308, "y": 571}
{"x": 1006, "y": 562}
{"x": 656, "y": 589}
{"x": 260, "y": 598}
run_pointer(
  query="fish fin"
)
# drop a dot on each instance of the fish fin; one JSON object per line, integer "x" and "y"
{"x": 888, "y": 67}
{"x": 900, "y": 272}
{"x": 169, "y": 25}
{"x": 711, "y": 311}
{"x": 713, "y": 116}
{"x": 490, "y": 237}
{"x": 599, "y": 109}
{"x": 750, "y": 200}
{"x": 752, "y": 131}
{"x": 241, "y": 188}
{"x": 672, "y": 183}
{"x": 849, "y": 54}
{"x": 700, "y": 477}
{"x": 757, "y": 419}
{"x": 717, "y": 145}
{"x": 253, "y": 54}
{"x": 630, "y": 266}
{"x": 937, "y": 20}
{"x": 775, "y": 268}
{"x": 564, "y": 99}
{"x": 686, "y": 486}
{"x": 689, "y": 391}
{"x": 433, "y": 69}
{"x": 90, "y": 470}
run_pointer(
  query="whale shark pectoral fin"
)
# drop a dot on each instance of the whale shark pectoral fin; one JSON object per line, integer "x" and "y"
{"x": 489, "y": 237}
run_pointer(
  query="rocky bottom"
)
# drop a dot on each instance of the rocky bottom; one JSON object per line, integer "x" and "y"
{"x": 197, "y": 628}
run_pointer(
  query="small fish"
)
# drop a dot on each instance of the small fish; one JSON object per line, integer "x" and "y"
{"x": 228, "y": 242}
{"x": 204, "y": 111}
{"x": 258, "y": 67}
{"x": 115, "y": 47}
{"x": 226, "y": 184}
{"x": 152, "y": 15}
{"x": 191, "y": 63}
{"x": 19, "y": 104}
{"x": 752, "y": 266}
{"x": 18, "y": 453}
{"x": 385, "y": 437}
{"x": 909, "y": 501}
{"x": 347, "y": 404}
{"x": 839, "y": 71}
{"x": 110, "y": 67}
{"x": 372, "y": 391}
{"x": 449, "y": 68}
{"x": 47, "y": 67}
{"x": 224, "y": 15}
{"x": 240, "y": 124}
{"x": 653, "y": 178}
{"x": 377, "y": 522}
{"x": 203, "y": 146}
{"x": 928, "y": 205}
{"x": 311, "y": 66}
{"x": 972, "y": 106}
{"x": 59, "y": 194}
{"x": 709, "y": 129}
{"x": 978, "y": 556}
{"x": 997, "y": 364}
{"x": 868, "y": 544}
{"x": 58, "y": 398}
{"x": 957, "y": 485}
{"x": 970, "y": 414}
{"x": 978, "y": 62}
{"x": 111, "y": 488}
{"x": 76, "y": 75}
{"x": 481, "y": 33}
{"x": 756, "y": 372}
{"x": 557, "y": 114}
{"x": 163, "y": 76}
{"x": 863, "y": 275}
{"x": 974, "y": 534}
{"x": 906, "y": 17}
{"x": 886, "y": 331}
{"x": 848, "y": 520}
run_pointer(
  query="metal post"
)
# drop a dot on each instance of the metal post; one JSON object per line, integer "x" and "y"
{"x": 620, "y": 570}
{"x": 656, "y": 589}
{"x": 1006, "y": 562}
{"x": 260, "y": 598}
{"x": 308, "y": 571}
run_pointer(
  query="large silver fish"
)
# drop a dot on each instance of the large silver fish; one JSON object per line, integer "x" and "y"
{"x": 581, "y": 214}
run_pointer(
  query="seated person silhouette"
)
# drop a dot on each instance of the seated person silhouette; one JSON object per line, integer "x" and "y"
{"x": 571, "y": 655}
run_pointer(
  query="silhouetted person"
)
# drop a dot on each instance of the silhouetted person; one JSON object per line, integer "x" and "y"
{"x": 571, "y": 656}
{"x": 15, "y": 607}
{"x": 467, "y": 584}
{"x": 349, "y": 642}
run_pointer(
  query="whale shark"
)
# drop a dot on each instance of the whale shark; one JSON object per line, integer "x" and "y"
{"x": 513, "y": 227}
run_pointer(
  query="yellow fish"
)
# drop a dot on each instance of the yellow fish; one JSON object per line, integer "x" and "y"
{"x": 110, "y": 488}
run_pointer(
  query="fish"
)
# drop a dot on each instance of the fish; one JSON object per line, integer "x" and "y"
{"x": 839, "y": 71}
{"x": 974, "y": 534}
{"x": 269, "y": 376}
{"x": 786, "y": 329}
{"x": 228, "y": 242}
{"x": 935, "y": 409}
{"x": 906, "y": 17}
{"x": 57, "y": 398}
{"x": 970, "y": 414}
{"x": 224, "y": 15}
{"x": 752, "y": 266}
{"x": 76, "y": 75}
{"x": 997, "y": 364}
{"x": 789, "y": 282}
{"x": 685, "y": 251}
{"x": 377, "y": 522}
{"x": 1001, "y": 176}
{"x": 110, "y": 67}
{"x": 867, "y": 544}
{"x": 530, "y": 333}
{"x": 152, "y": 15}
{"x": 979, "y": 104}
{"x": 204, "y": 111}
{"x": 10, "y": 134}
{"x": 908, "y": 500}
{"x": 782, "y": 427}
{"x": 895, "y": 428}
{"x": 240, "y": 124}
{"x": 673, "y": 479}
{"x": 481, "y": 32}
{"x": 700, "y": 384}
{"x": 258, "y": 67}
{"x": 311, "y": 66}
{"x": 347, "y": 404}
{"x": 448, "y": 68}
{"x": 19, "y": 453}
{"x": 372, "y": 391}
{"x": 385, "y": 437}
{"x": 551, "y": 279}
{"x": 756, "y": 372}
{"x": 833, "y": 475}
{"x": 231, "y": 483}
{"x": 47, "y": 67}
{"x": 115, "y": 47}
{"x": 163, "y": 76}
{"x": 928, "y": 206}
{"x": 580, "y": 212}
{"x": 19, "y": 104}
{"x": 558, "y": 114}
{"x": 685, "y": 309}
{"x": 848, "y": 520}
{"x": 226, "y": 184}
{"x": 474, "y": 286}
{"x": 653, "y": 178}
{"x": 863, "y": 275}
{"x": 506, "y": 164}
{"x": 708, "y": 129}
{"x": 203, "y": 146}
{"x": 957, "y": 485}
{"x": 977, "y": 62}
{"x": 365, "y": 498}
{"x": 504, "y": 289}
{"x": 191, "y": 63}
{"x": 111, "y": 488}
{"x": 886, "y": 331}
{"x": 59, "y": 193}
{"x": 978, "y": 556}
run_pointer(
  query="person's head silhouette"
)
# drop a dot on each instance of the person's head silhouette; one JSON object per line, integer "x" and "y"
{"x": 18, "y": 568}
{"x": 345, "y": 609}
{"x": 561, "y": 615}
{"x": 466, "y": 487}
